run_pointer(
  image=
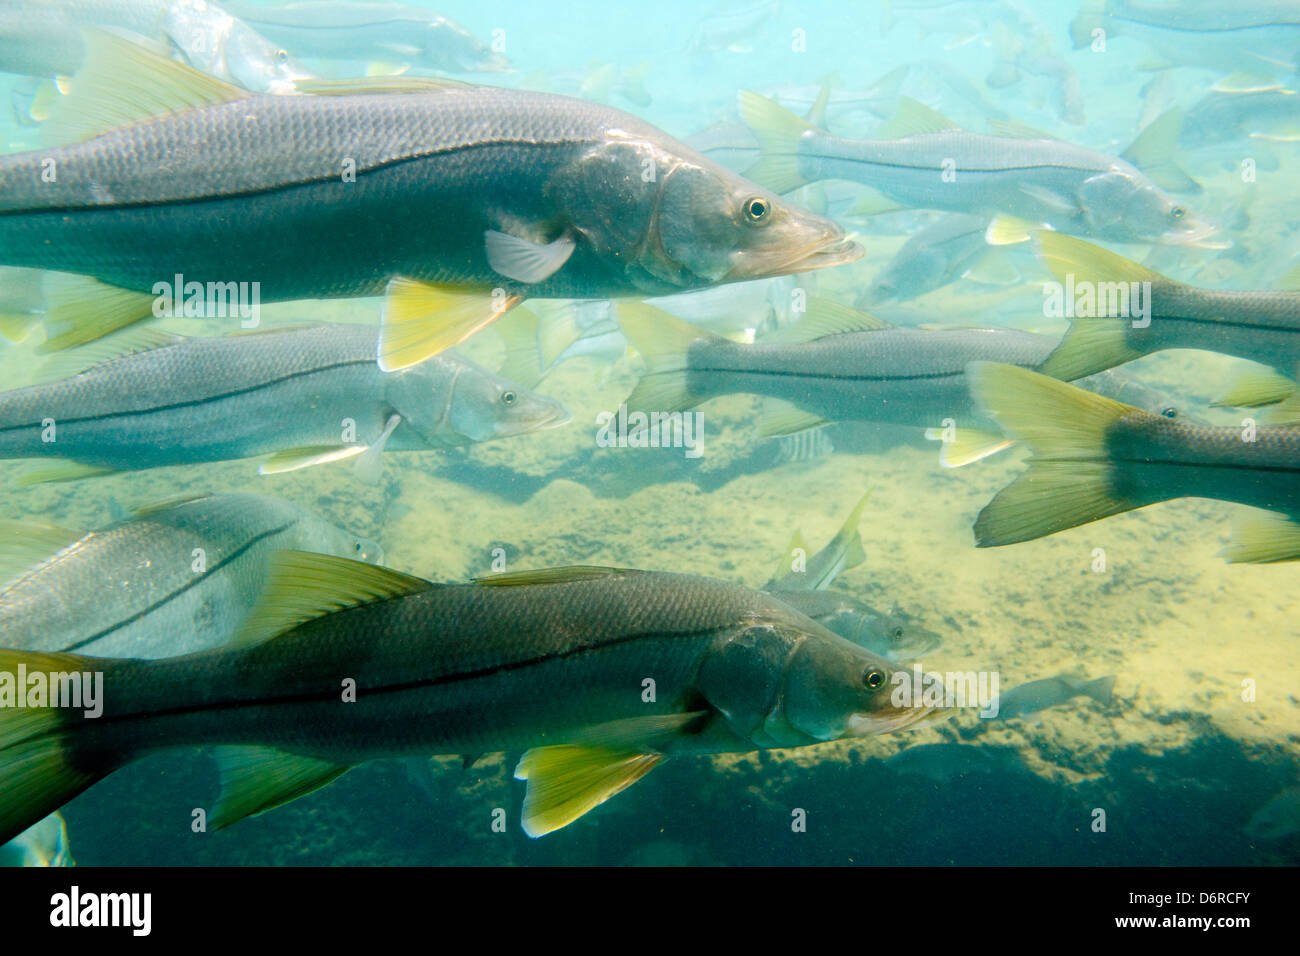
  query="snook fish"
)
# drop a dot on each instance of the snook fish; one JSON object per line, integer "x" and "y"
{"x": 553, "y": 663}
{"x": 932, "y": 164}
{"x": 837, "y": 364}
{"x": 300, "y": 396}
{"x": 170, "y": 580}
{"x": 455, "y": 201}
{"x": 1093, "y": 457}
{"x": 801, "y": 580}
{"x": 44, "y": 39}
{"x": 380, "y": 34}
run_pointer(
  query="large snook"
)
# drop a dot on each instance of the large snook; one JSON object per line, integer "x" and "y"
{"x": 1093, "y": 457}
{"x": 597, "y": 673}
{"x": 467, "y": 199}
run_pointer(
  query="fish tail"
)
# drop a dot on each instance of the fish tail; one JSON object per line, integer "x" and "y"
{"x": 663, "y": 341}
{"x": 1094, "y": 343}
{"x": 1069, "y": 481}
{"x": 42, "y": 766}
{"x": 1263, "y": 537}
{"x": 778, "y": 131}
{"x": 1100, "y": 689}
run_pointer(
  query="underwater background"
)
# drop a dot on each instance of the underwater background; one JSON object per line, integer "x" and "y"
{"x": 1179, "y": 762}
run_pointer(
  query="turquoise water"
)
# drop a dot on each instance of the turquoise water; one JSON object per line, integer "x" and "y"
{"x": 1176, "y": 766}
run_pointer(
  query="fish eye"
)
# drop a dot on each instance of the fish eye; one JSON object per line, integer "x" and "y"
{"x": 508, "y": 398}
{"x": 873, "y": 677}
{"x": 756, "y": 209}
{"x": 1169, "y": 412}
{"x": 282, "y": 57}
{"x": 1178, "y": 212}
{"x": 897, "y": 633}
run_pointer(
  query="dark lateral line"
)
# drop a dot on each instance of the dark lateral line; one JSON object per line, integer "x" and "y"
{"x": 1210, "y": 465}
{"x": 776, "y": 373}
{"x": 1217, "y": 323}
{"x": 197, "y": 579}
{"x": 938, "y": 167}
{"x": 332, "y": 695}
{"x": 135, "y": 412}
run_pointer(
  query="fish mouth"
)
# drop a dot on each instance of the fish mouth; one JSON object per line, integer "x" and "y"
{"x": 871, "y": 725}
{"x": 834, "y": 250}
{"x": 561, "y": 416}
{"x": 1196, "y": 236}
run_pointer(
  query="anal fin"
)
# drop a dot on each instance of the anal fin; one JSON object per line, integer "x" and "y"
{"x": 257, "y": 779}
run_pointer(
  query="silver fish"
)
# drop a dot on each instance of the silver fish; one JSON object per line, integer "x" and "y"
{"x": 170, "y": 580}
{"x": 301, "y": 396}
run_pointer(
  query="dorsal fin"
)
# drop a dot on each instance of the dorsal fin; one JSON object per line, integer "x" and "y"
{"x": 378, "y": 84}
{"x": 1013, "y": 129}
{"x": 567, "y": 575}
{"x": 817, "y": 112}
{"x": 130, "y": 341}
{"x": 24, "y": 544}
{"x": 302, "y": 586}
{"x": 914, "y": 118}
{"x": 144, "y": 511}
{"x": 121, "y": 82}
{"x": 824, "y": 318}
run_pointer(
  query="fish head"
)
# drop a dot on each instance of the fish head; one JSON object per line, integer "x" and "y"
{"x": 673, "y": 220}
{"x": 451, "y": 401}
{"x": 213, "y": 41}
{"x": 256, "y": 63}
{"x": 311, "y": 533}
{"x": 893, "y": 636}
{"x": 1124, "y": 205}
{"x": 449, "y": 46}
{"x": 783, "y": 680}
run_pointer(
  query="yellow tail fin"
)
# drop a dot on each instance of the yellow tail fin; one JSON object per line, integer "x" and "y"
{"x": 1069, "y": 478}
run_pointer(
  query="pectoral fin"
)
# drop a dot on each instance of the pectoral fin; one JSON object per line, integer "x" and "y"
{"x": 292, "y": 459}
{"x": 1006, "y": 230}
{"x": 526, "y": 261}
{"x": 370, "y": 463}
{"x": 565, "y": 782}
{"x": 257, "y": 779}
{"x": 421, "y": 319}
{"x": 59, "y": 471}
